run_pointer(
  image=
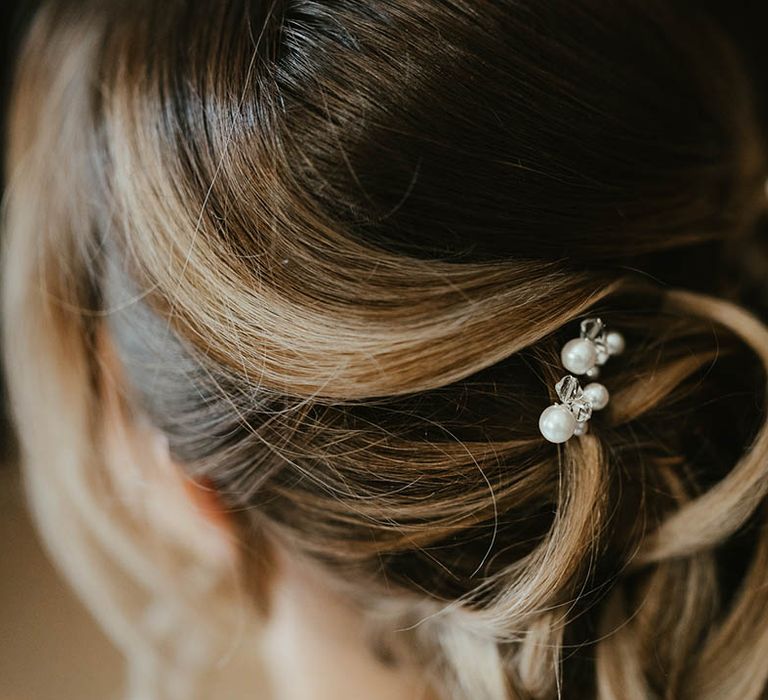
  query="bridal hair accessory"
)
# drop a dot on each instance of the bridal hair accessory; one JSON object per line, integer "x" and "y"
{"x": 583, "y": 355}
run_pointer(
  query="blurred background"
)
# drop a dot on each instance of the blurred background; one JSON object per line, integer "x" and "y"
{"x": 50, "y": 649}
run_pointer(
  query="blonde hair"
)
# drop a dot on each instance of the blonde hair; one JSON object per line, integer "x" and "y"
{"x": 339, "y": 293}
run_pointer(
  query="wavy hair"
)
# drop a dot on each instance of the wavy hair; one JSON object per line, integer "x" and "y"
{"x": 330, "y": 250}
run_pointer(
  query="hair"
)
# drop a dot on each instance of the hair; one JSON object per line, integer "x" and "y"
{"x": 335, "y": 248}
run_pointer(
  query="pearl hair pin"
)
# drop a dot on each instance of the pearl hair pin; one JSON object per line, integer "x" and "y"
{"x": 583, "y": 355}
{"x": 591, "y": 350}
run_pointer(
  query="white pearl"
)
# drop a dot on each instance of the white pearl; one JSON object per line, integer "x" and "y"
{"x": 597, "y": 395}
{"x": 557, "y": 423}
{"x": 593, "y": 372}
{"x": 581, "y": 428}
{"x": 614, "y": 341}
{"x": 579, "y": 355}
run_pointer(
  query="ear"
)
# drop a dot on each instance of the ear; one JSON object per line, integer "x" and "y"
{"x": 180, "y": 510}
{"x": 203, "y": 495}
{"x": 192, "y": 510}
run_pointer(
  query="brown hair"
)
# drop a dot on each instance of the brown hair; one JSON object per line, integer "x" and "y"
{"x": 337, "y": 247}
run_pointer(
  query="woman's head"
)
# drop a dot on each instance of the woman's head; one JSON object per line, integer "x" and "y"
{"x": 330, "y": 251}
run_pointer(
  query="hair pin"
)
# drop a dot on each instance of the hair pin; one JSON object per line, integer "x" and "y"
{"x": 582, "y": 355}
{"x": 591, "y": 350}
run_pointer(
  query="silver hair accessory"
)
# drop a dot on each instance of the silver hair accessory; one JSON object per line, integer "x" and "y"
{"x": 582, "y": 355}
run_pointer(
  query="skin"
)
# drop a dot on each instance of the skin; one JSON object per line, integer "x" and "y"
{"x": 316, "y": 649}
{"x": 313, "y": 645}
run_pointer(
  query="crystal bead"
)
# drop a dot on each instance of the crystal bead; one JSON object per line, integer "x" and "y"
{"x": 592, "y": 328}
{"x": 581, "y": 409}
{"x": 568, "y": 389}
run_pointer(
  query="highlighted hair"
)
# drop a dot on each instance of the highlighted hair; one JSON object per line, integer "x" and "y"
{"x": 330, "y": 251}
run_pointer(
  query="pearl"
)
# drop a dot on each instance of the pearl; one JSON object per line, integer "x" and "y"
{"x": 614, "y": 342}
{"x": 557, "y": 423}
{"x": 593, "y": 372}
{"x": 579, "y": 355}
{"x": 581, "y": 428}
{"x": 597, "y": 395}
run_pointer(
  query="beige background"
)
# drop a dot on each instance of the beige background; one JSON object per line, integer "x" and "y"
{"x": 50, "y": 649}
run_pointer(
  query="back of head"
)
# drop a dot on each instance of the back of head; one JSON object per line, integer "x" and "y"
{"x": 337, "y": 248}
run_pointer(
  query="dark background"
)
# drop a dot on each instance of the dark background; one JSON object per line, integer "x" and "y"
{"x": 14, "y": 15}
